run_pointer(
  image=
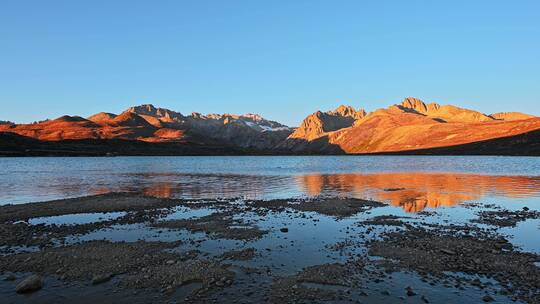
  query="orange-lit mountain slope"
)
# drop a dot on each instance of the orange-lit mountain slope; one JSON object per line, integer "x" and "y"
{"x": 150, "y": 124}
{"x": 411, "y": 125}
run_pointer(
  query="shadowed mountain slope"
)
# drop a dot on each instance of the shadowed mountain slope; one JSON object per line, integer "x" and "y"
{"x": 12, "y": 144}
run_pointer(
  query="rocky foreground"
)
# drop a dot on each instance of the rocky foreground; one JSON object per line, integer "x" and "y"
{"x": 128, "y": 248}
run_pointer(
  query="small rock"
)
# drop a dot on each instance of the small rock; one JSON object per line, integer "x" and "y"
{"x": 424, "y": 299}
{"x": 285, "y": 229}
{"x": 170, "y": 262}
{"x": 410, "y": 291}
{"x": 447, "y": 251}
{"x": 101, "y": 278}
{"x": 30, "y": 284}
{"x": 488, "y": 298}
{"x": 10, "y": 277}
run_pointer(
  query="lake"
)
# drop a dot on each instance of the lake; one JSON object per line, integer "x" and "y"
{"x": 426, "y": 199}
{"x": 412, "y": 182}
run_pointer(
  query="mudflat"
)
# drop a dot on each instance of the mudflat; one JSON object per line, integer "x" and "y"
{"x": 113, "y": 246}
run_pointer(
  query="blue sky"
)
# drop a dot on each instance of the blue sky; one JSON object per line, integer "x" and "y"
{"x": 282, "y": 59}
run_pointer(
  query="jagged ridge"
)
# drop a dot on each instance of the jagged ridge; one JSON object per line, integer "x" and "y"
{"x": 152, "y": 124}
{"x": 408, "y": 126}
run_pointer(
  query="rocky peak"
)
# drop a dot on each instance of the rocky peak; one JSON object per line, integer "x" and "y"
{"x": 348, "y": 111}
{"x": 197, "y": 120}
{"x": 253, "y": 121}
{"x": 227, "y": 120}
{"x": 415, "y": 104}
{"x": 257, "y": 121}
{"x": 144, "y": 109}
{"x": 130, "y": 119}
{"x": 432, "y": 107}
{"x": 254, "y": 117}
{"x": 196, "y": 115}
{"x": 102, "y": 117}
{"x": 445, "y": 113}
{"x": 67, "y": 118}
{"x": 343, "y": 110}
{"x": 150, "y": 110}
{"x": 319, "y": 123}
{"x": 419, "y": 106}
{"x": 318, "y": 114}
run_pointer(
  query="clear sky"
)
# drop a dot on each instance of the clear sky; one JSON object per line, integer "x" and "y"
{"x": 282, "y": 59}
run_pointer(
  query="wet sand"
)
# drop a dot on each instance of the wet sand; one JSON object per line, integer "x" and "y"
{"x": 127, "y": 248}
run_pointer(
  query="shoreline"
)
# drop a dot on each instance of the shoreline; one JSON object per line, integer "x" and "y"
{"x": 12, "y": 145}
{"x": 229, "y": 250}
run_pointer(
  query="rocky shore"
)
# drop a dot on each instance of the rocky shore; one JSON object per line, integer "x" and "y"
{"x": 142, "y": 249}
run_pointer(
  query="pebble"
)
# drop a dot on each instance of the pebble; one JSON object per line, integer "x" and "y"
{"x": 410, "y": 291}
{"x": 10, "y": 277}
{"x": 30, "y": 284}
{"x": 447, "y": 251}
{"x": 101, "y": 278}
{"x": 488, "y": 298}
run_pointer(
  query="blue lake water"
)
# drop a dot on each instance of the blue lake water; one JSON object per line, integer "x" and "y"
{"x": 417, "y": 182}
{"x": 453, "y": 189}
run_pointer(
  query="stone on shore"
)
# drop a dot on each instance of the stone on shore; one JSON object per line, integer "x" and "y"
{"x": 30, "y": 284}
{"x": 102, "y": 278}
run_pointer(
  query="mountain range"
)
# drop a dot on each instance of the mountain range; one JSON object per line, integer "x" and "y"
{"x": 410, "y": 127}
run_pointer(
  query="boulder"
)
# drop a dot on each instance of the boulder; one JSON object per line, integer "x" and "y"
{"x": 30, "y": 284}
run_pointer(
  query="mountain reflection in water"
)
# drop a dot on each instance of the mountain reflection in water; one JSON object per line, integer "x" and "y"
{"x": 416, "y": 191}
{"x": 202, "y": 186}
{"x": 411, "y": 191}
